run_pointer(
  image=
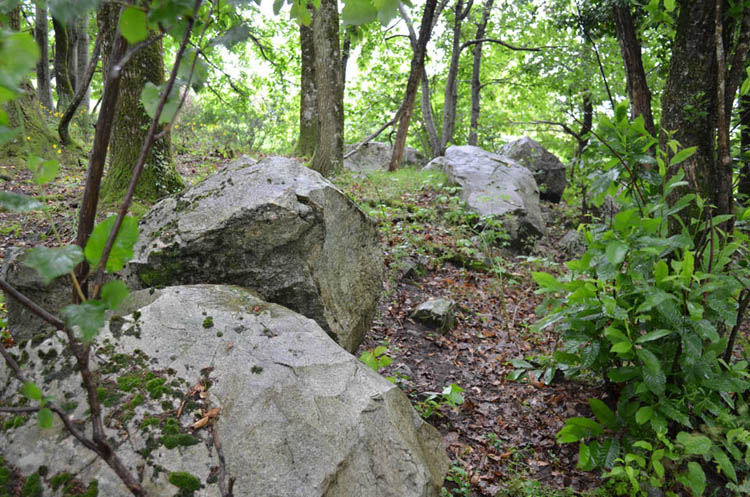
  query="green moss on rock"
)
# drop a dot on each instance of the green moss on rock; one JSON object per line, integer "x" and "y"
{"x": 33, "y": 486}
{"x": 179, "y": 440}
{"x": 185, "y": 481}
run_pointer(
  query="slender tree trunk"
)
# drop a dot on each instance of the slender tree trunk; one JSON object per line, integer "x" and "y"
{"x": 41, "y": 36}
{"x": 346, "y": 51}
{"x": 630, "y": 47}
{"x": 426, "y": 106}
{"x": 308, "y": 115}
{"x": 450, "y": 101}
{"x": 131, "y": 124}
{"x": 417, "y": 67}
{"x": 588, "y": 121}
{"x": 329, "y": 153}
{"x": 476, "y": 67}
{"x": 82, "y": 58}
{"x": 63, "y": 80}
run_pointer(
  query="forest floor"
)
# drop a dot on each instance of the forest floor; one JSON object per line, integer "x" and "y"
{"x": 501, "y": 439}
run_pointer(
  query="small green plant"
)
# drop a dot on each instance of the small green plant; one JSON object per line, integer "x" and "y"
{"x": 460, "y": 480}
{"x": 377, "y": 358}
{"x": 451, "y": 396}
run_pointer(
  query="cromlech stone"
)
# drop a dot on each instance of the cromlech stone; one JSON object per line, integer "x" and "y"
{"x": 495, "y": 186}
{"x": 437, "y": 313}
{"x": 275, "y": 227}
{"x": 375, "y": 156}
{"x": 548, "y": 170}
{"x": 299, "y": 416}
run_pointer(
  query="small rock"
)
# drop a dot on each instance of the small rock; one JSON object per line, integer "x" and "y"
{"x": 572, "y": 244}
{"x": 437, "y": 313}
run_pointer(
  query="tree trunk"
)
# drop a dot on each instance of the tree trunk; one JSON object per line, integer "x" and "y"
{"x": 630, "y": 47}
{"x": 308, "y": 115}
{"x": 450, "y": 102}
{"x": 131, "y": 124}
{"x": 329, "y": 153}
{"x": 476, "y": 87}
{"x": 417, "y": 67}
{"x": 428, "y": 117}
{"x": 744, "y": 180}
{"x": 689, "y": 99}
{"x": 41, "y": 36}
{"x": 63, "y": 80}
{"x": 82, "y": 58}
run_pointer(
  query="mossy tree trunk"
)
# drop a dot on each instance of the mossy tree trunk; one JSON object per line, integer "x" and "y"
{"x": 63, "y": 55}
{"x": 159, "y": 177}
{"x": 329, "y": 83}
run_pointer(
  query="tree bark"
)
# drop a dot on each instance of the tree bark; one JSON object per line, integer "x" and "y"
{"x": 630, "y": 47}
{"x": 417, "y": 67}
{"x": 329, "y": 153}
{"x": 689, "y": 99}
{"x": 82, "y": 59}
{"x": 450, "y": 102}
{"x": 131, "y": 124}
{"x": 744, "y": 180}
{"x": 308, "y": 116}
{"x": 476, "y": 86}
{"x": 41, "y": 36}
{"x": 63, "y": 80}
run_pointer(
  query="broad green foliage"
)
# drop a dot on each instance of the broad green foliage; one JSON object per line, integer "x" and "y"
{"x": 53, "y": 262}
{"x": 650, "y": 311}
{"x": 122, "y": 250}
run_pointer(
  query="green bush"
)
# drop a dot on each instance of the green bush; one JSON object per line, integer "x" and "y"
{"x": 652, "y": 308}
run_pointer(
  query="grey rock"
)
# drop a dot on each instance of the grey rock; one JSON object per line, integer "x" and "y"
{"x": 22, "y": 323}
{"x": 276, "y": 227}
{"x": 493, "y": 185}
{"x": 299, "y": 415}
{"x": 436, "y": 313}
{"x": 572, "y": 244}
{"x": 375, "y": 156}
{"x": 548, "y": 171}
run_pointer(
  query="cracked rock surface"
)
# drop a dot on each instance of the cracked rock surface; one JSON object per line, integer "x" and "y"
{"x": 299, "y": 415}
{"x": 275, "y": 227}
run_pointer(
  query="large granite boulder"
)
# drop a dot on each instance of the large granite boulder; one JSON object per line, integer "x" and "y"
{"x": 294, "y": 415}
{"x": 549, "y": 172}
{"x": 276, "y": 227}
{"x": 375, "y": 156}
{"x": 493, "y": 185}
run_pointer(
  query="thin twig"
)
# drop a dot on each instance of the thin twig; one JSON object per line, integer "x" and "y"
{"x": 31, "y": 305}
{"x": 143, "y": 154}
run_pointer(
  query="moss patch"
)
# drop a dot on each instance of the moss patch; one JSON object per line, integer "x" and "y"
{"x": 179, "y": 440}
{"x": 33, "y": 486}
{"x": 14, "y": 422}
{"x": 185, "y": 481}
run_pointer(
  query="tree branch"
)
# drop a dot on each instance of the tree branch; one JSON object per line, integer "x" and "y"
{"x": 31, "y": 305}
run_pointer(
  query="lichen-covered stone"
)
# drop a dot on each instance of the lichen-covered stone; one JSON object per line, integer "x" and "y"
{"x": 276, "y": 227}
{"x": 299, "y": 415}
{"x": 436, "y": 313}
{"x": 548, "y": 171}
{"x": 376, "y": 156}
{"x": 495, "y": 186}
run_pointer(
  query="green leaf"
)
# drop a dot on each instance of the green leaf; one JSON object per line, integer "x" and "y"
{"x": 31, "y": 391}
{"x": 644, "y": 414}
{"x": 358, "y": 12}
{"x": 387, "y": 10}
{"x": 122, "y": 250}
{"x": 621, "y": 347}
{"x": 546, "y": 280}
{"x": 44, "y": 417}
{"x": 653, "y": 335}
{"x": 695, "y": 443}
{"x": 724, "y": 463}
{"x": 669, "y": 5}
{"x": 688, "y": 266}
{"x": 452, "y": 394}
{"x": 694, "y": 478}
{"x": 15, "y": 202}
{"x": 44, "y": 170}
{"x": 88, "y": 317}
{"x": 616, "y": 251}
{"x": 604, "y": 414}
{"x": 683, "y": 154}
{"x": 618, "y": 375}
{"x": 113, "y": 293}
{"x": 200, "y": 72}
{"x": 653, "y": 375}
{"x": 53, "y": 262}
{"x": 576, "y": 429}
{"x": 133, "y": 25}
{"x": 584, "y": 457}
{"x": 150, "y": 99}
